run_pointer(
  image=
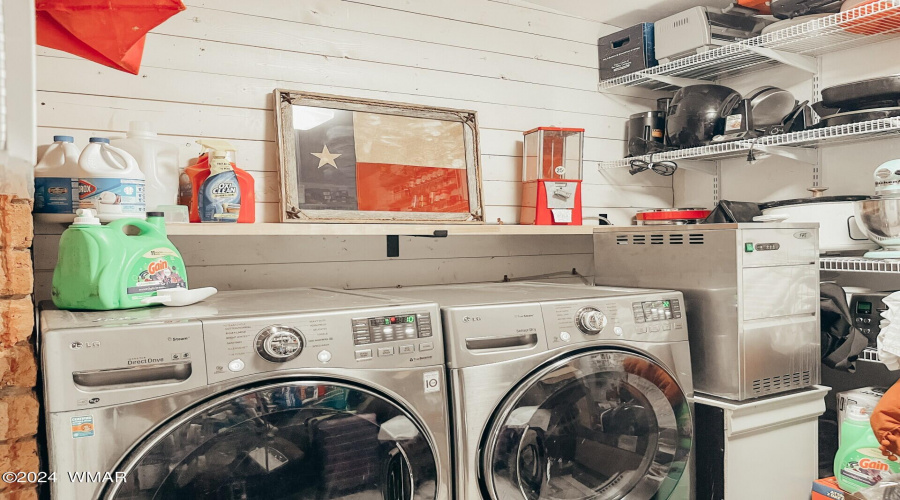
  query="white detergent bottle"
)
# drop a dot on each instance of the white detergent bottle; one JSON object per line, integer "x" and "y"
{"x": 157, "y": 159}
{"x": 56, "y": 178}
{"x": 110, "y": 182}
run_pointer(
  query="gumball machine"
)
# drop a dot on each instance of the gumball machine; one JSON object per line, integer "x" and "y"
{"x": 551, "y": 176}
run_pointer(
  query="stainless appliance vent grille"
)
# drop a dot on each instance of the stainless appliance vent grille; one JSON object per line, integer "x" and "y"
{"x": 780, "y": 383}
{"x": 659, "y": 239}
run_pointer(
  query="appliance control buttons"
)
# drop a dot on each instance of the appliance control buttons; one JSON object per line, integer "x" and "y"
{"x": 407, "y": 349}
{"x": 426, "y": 346}
{"x": 590, "y": 320}
{"x": 666, "y": 327}
{"x": 324, "y": 356}
{"x": 385, "y": 351}
{"x": 618, "y": 331}
{"x": 654, "y": 328}
{"x": 423, "y": 320}
{"x": 236, "y": 365}
{"x": 564, "y": 336}
{"x": 641, "y": 329}
{"x": 363, "y": 354}
{"x": 279, "y": 343}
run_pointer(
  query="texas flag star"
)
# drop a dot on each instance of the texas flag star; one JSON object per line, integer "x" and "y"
{"x": 326, "y": 157}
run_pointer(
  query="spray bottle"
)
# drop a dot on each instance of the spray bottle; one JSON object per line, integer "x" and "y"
{"x": 220, "y": 191}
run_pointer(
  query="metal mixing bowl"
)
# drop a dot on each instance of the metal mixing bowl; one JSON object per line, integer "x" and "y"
{"x": 879, "y": 218}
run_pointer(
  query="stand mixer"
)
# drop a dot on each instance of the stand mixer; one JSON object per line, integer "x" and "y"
{"x": 879, "y": 217}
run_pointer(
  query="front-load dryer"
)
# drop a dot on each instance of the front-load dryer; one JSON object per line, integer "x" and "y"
{"x": 567, "y": 392}
{"x": 285, "y": 394}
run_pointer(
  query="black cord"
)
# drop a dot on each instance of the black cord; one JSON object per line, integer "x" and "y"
{"x": 664, "y": 168}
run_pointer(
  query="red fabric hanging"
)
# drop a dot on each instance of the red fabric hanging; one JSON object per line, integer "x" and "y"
{"x": 109, "y": 32}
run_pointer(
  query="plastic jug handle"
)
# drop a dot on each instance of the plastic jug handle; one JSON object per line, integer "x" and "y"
{"x": 117, "y": 158}
{"x": 143, "y": 225}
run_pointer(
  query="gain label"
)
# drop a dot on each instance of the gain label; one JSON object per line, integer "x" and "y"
{"x": 158, "y": 269}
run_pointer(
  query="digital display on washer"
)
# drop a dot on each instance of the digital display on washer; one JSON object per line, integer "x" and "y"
{"x": 656, "y": 310}
{"x": 391, "y": 328}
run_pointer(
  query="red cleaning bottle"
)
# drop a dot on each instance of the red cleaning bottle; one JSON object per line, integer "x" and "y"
{"x": 200, "y": 171}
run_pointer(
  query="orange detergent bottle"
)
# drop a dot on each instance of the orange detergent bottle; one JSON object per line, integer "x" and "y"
{"x": 200, "y": 171}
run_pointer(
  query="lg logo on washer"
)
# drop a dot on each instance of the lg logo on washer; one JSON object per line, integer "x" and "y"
{"x": 84, "y": 345}
{"x": 469, "y": 319}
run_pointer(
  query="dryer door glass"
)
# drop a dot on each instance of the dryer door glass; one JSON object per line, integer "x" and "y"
{"x": 598, "y": 425}
{"x": 298, "y": 440}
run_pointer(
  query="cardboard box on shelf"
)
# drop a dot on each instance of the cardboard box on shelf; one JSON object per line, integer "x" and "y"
{"x": 828, "y": 489}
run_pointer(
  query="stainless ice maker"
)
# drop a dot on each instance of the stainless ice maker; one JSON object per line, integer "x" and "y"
{"x": 751, "y": 294}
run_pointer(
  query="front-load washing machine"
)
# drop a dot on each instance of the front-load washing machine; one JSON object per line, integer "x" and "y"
{"x": 567, "y": 392}
{"x": 287, "y": 394}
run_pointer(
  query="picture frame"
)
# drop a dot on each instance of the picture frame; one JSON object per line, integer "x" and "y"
{"x": 345, "y": 159}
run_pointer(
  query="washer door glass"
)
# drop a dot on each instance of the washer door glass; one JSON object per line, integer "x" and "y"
{"x": 599, "y": 425}
{"x": 300, "y": 440}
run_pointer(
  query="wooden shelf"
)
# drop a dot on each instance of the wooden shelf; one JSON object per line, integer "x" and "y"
{"x": 297, "y": 229}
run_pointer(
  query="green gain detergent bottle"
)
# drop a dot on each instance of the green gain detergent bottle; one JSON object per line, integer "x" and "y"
{"x": 102, "y": 268}
{"x": 859, "y": 463}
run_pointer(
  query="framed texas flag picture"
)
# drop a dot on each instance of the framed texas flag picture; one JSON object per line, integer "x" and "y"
{"x": 356, "y": 160}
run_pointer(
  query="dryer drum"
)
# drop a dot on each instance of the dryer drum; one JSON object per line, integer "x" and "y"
{"x": 306, "y": 439}
{"x": 597, "y": 424}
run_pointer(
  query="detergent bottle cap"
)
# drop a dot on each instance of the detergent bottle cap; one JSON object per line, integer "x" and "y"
{"x": 86, "y": 217}
{"x": 858, "y": 413}
{"x": 63, "y": 138}
{"x": 99, "y": 139}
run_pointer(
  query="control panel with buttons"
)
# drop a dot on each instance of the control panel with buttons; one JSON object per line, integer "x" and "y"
{"x": 656, "y": 310}
{"x": 397, "y": 336}
{"x": 391, "y": 328}
{"x": 866, "y": 309}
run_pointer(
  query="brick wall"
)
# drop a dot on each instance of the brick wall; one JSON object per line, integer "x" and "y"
{"x": 19, "y": 407}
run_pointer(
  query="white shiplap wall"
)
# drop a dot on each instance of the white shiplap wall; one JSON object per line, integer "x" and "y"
{"x": 210, "y": 71}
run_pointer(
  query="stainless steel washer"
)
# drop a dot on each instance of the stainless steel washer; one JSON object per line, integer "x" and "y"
{"x": 558, "y": 392}
{"x": 305, "y": 393}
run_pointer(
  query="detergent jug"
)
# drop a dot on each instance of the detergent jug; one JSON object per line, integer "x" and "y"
{"x": 157, "y": 159}
{"x": 110, "y": 182}
{"x": 859, "y": 463}
{"x": 56, "y": 178}
{"x": 101, "y": 267}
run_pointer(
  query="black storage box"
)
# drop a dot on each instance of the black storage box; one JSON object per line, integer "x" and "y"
{"x": 627, "y": 51}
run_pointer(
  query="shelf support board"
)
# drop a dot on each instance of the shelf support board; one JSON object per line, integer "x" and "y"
{"x": 810, "y": 156}
{"x": 799, "y": 61}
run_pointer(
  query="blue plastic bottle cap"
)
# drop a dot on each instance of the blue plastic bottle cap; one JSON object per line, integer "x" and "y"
{"x": 63, "y": 138}
{"x": 100, "y": 139}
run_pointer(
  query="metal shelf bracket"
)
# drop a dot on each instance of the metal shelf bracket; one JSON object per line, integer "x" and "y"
{"x": 810, "y": 156}
{"x": 676, "y": 81}
{"x": 799, "y": 61}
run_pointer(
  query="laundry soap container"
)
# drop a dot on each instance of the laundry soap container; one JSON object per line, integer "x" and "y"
{"x": 157, "y": 159}
{"x": 56, "y": 179}
{"x": 859, "y": 463}
{"x": 110, "y": 183}
{"x": 101, "y": 267}
{"x": 220, "y": 191}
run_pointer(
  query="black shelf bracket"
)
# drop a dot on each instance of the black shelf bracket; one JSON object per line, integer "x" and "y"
{"x": 393, "y": 240}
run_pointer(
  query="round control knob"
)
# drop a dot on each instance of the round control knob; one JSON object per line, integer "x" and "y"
{"x": 278, "y": 343}
{"x": 590, "y": 321}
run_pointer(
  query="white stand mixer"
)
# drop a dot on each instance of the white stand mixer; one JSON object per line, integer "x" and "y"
{"x": 879, "y": 217}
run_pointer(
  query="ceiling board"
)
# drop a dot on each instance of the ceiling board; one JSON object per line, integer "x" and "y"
{"x": 627, "y": 13}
